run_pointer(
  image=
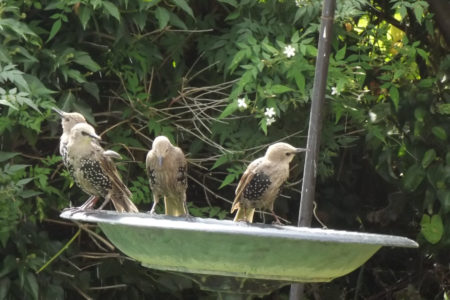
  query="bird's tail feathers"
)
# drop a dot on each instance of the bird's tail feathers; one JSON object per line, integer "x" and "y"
{"x": 244, "y": 215}
{"x": 122, "y": 202}
{"x": 174, "y": 206}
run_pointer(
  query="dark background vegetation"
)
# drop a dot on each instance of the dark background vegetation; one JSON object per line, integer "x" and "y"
{"x": 137, "y": 69}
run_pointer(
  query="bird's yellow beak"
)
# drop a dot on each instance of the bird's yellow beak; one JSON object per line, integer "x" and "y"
{"x": 160, "y": 160}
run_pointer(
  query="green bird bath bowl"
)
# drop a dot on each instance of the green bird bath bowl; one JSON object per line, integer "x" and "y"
{"x": 226, "y": 248}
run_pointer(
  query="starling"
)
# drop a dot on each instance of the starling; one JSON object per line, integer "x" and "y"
{"x": 93, "y": 171}
{"x": 260, "y": 184}
{"x": 167, "y": 171}
{"x": 68, "y": 120}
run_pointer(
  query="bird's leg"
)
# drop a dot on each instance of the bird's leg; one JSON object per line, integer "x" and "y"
{"x": 245, "y": 215}
{"x": 155, "y": 202}
{"x": 277, "y": 221}
{"x": 107, "y": 199}
{"x": 186, "y": 211}
{"x": 90, "y": 203}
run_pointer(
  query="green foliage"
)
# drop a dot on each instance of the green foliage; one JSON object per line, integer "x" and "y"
{"x": 222, "y": 79}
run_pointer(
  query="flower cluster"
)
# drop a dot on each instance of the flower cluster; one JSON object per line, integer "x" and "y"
{"x": 270, "y": 113}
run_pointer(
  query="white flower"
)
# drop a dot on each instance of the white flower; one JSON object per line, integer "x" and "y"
{"x": 242, "y": 103}
{"x": 359, "y": 97}
{"x": 289, "y": 51}
{"x": 269, "y": 121}
{"x": 270, "y": 112}
{"x": 334, "y": 91}
{"x": 372, "y": 116}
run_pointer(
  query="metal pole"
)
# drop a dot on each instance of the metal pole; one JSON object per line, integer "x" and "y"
{"x": 315, "y": 126}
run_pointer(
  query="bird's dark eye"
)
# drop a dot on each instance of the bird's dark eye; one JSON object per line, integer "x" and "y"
{"x": 84, "y": 133}
{"x": 288, "y": 153}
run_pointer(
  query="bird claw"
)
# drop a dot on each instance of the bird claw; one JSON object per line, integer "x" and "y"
{"x": 152, "y": 212}
{"x": 74, "y": 210}
{"x": 188, "y": 217}
{"x": 277, "y": 223}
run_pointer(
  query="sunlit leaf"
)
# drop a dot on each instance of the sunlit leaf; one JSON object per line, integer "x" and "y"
{"x": 432, "y": 228}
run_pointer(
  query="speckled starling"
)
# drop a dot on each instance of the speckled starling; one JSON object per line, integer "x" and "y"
{"x": 260, "y": 184}
{"x": 68, "y": 120}
{"x": 93, "y": 171}
{"x": 167, "y": 171}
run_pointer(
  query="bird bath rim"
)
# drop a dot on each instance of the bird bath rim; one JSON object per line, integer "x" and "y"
{"x": 237, "y": 249}
{"x": 230, "y": 227}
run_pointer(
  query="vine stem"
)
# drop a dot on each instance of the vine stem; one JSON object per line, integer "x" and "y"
{"x": 60, "y": 251}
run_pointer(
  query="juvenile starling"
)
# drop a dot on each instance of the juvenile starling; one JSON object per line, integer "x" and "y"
{"x": 167, "y": 171}
{"x": 93, "y": 171}
{"x": 260, "y": 184}
{"x": 68, "y": 120}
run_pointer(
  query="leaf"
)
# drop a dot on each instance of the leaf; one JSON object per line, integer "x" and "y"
{"x": 300, "y": 81}
{"x": 280, "y": 89}
{"x": 413, "y": 177}
{"x": 220, "y": 161}
{"x": 444, "y": 198}
{"x": 32, "y": 285}
{"x": 55, "y": 28}
{"x": 428, "y": 158}
{"x": 7, "y": 155}
{"x": 237, "y": 59}
{"x": 83, "y": 58}
{"x": 432, "y": 228}
{"x": 439, "y": 132}
{"x": 418, "y": 12}
{"x": 341, "y": 53}
{"x": 92, "y": 88}
{"x": 402, "y": 11}
{"x": 184, "y": 6}
{"x": 419, "y": 114}
{"x": 443, "y": 108}
{"x": 228, "y": 179}
{"x": 163, "y": 16}
{"x": 231, "y": 108}
{"x": 9, "y": 104}
{"x": 111, "y": 9}
{"x": 393, "y": 92}
{"x": 230, "y": 2}
{"x": 85, "y": 13}
{"x": 176, "y": 21}
{"x": 5, "y": 283}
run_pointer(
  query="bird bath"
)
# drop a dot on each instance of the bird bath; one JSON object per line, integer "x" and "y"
{"x": 268, "y": 253}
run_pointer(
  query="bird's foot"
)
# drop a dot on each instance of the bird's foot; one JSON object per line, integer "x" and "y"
{"x": 75, "y": 210}
{"x": 188, "y": 217}
{"x": 152, "y": 212}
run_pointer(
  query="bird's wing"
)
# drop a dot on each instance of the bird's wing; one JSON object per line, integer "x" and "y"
{"x": 110, "y": 170}
{"x": 181, "y": 165}
{"x": 244, "y": 181}
{"x": 112, "y": 154}
{"x": 150, "y": 164}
